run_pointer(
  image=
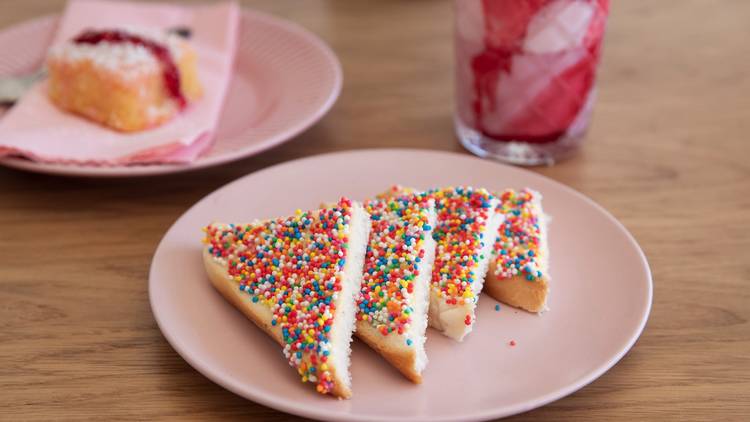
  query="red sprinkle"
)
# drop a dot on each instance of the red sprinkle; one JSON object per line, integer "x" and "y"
{"x": 467, "y": 321}
{"x": 512, "y": 342}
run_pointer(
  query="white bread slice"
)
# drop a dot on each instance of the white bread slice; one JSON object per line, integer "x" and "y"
{"x": 455, "y": 287}
{"x": 263, "y": 269}
{"x": 394, "y": 297}
{"x": 523, "y": 236}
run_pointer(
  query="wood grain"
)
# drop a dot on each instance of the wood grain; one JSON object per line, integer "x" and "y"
{"x": 667, "y": 154}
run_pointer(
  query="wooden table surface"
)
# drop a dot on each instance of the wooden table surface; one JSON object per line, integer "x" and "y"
{"x": 668, "y": 154}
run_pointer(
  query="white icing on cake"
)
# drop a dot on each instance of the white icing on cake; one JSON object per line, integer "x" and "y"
{"x": 127, "y": 59}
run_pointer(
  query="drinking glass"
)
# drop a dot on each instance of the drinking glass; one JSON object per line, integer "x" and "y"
{"x": 525, "y": 72}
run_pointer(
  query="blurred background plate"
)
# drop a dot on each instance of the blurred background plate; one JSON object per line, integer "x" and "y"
{"x": 285, "y": 80}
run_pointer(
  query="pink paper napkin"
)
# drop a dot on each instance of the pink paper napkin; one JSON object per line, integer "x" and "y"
{"x": 36, "y": 129}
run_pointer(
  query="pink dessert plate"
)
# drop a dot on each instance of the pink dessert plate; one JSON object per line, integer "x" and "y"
{"x": 599, "y": 303}
{"x": 285, "y": 80}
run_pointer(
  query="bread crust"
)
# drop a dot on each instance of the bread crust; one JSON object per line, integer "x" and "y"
{"x": 393, "y": 348}
{"x": 258, "y": 313}
{"x": 517, "y": 291}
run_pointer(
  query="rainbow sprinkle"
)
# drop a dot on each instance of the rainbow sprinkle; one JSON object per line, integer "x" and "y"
{"x": 517, "y": 248}
{"x": 293, "y": 266}
{"x": 462, "y": 216}
{"x": 392, "y": 262}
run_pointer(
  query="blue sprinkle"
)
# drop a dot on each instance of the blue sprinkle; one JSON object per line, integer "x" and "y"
{"x": 408, "y": 342}
{"x": 497, "y": 307}
{"x": 255, "y": 299}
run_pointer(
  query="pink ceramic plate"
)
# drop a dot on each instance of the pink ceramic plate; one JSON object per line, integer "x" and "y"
{"x": 600, "y": 299}
{"x": 285, "y": 80}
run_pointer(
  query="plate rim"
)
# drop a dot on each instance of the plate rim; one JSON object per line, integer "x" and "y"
{"x": 303, "y": 410}
{"x": 141, "y": 170}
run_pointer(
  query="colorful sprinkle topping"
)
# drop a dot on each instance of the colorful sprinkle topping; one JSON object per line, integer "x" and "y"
{"x": 517, "y": 247}
{"x": 293, "y": 266}
{"x": 392, "y": 262}
{"x": 462, "y": 216}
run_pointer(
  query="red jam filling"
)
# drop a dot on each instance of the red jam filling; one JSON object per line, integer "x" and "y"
{"x": 169, "y": 68}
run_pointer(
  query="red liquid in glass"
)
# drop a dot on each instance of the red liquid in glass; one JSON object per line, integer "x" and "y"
{"x": 527, "y": 73}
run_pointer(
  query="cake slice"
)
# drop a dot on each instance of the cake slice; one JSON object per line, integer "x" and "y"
{"x": 395, "y": 292}
{"x": 467, "y": 223}
{"x": 519, "y": 271}
{"x": 126, "y": 79}
{"x": 297, "y": 279}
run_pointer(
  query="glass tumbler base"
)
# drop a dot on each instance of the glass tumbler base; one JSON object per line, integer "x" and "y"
{"x": 521, "y": 153}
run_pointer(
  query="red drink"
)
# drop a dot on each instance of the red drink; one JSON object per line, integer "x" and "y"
{"x": 525, "y": 73}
